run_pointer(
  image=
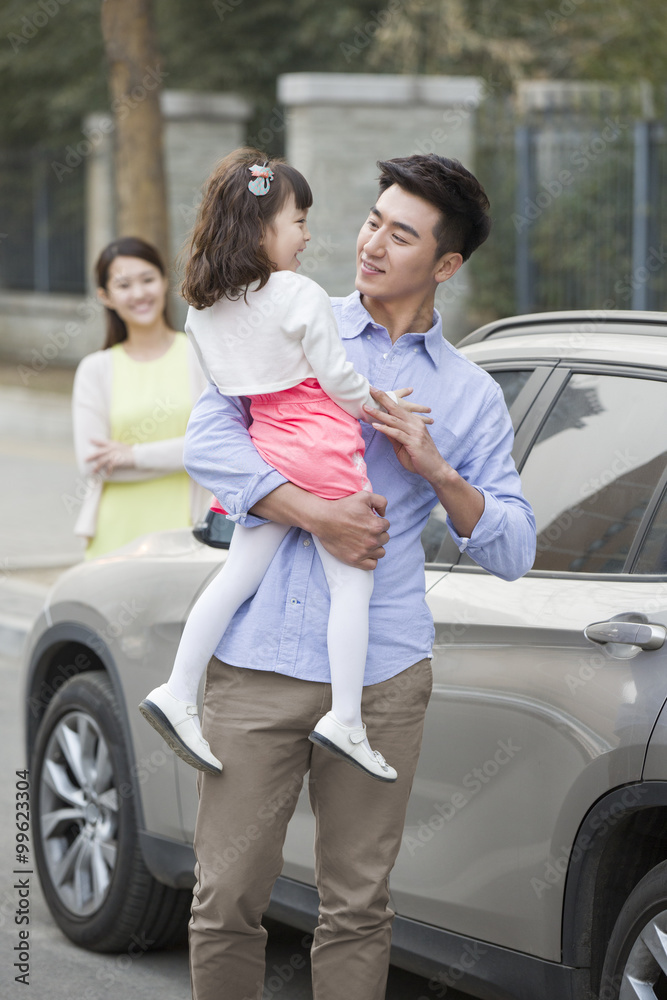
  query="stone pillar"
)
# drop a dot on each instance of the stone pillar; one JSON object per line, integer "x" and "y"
{"x": 339, "y": 125}
{"x": 199, "y": 129}
{"x": 99, "y": 203}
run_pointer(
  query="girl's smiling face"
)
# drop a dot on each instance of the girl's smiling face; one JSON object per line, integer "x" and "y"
{"x": 136, "y": 290}
{"x": 287, "y": 235}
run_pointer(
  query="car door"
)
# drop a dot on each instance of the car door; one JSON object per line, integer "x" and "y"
{"x": 520, "y": 385}
{"x": 651, "y": 558}
{"x": 530, "y": 722}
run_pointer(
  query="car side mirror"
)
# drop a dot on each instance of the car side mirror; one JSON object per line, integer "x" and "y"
{"x": 215, "y": 530}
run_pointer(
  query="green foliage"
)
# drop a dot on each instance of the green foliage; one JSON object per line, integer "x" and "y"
{"x": 54, "y": 71}
{"x": 53, "y": 67}
{"x": 243, "y": 45}
{"x": 612, "y": 40}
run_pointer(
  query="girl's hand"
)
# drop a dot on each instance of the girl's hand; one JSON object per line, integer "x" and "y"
{"x": 111, "y": 455}
{"x": 412, "y": 407}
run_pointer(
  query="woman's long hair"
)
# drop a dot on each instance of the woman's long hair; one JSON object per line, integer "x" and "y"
{"x": 127, "y": 246}
{"x": 226, "y": 252}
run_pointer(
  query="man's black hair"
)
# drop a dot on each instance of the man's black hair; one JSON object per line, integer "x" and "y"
{"x": 452, "y": 189}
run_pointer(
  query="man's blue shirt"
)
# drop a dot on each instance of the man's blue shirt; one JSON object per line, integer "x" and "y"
{"x": 283, "y": 628}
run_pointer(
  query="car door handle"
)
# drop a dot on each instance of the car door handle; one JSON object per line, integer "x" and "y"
{"x": 631, "y": 633}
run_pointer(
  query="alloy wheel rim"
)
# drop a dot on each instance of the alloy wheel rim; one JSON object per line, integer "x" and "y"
{"x": 645, "y": 972}
{"x": 79, "y": 811}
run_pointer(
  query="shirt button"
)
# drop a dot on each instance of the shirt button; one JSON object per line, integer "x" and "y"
{"x": 368, "y": 336}
{"x": 294, "y": 601}
{"x": 415, "y": 349}
{"x": 306, "y": 542}
{"x": 384, "y": 355}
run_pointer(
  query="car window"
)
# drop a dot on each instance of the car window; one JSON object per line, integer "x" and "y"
{"x": 511, "y": 382}
{"x": 438, "y": 544}
{"x": 593, "y": 469}
{"x": 653, "y": 553}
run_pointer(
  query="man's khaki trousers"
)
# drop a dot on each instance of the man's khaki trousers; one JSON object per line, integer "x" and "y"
{"x": 258, "y": 723}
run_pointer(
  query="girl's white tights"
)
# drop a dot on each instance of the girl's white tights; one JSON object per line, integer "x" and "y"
{"x": 350, "y": 590}
{"x": 250, "y": 553}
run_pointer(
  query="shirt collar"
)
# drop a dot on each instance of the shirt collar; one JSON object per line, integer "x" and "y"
{"x": 356, "y": 319}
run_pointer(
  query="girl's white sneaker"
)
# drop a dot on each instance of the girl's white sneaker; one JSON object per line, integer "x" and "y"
{"x": 178, "y": 725}
{"x": 348, "y": 743}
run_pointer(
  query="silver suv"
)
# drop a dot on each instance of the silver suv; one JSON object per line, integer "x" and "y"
{"x": 534, "y": 857}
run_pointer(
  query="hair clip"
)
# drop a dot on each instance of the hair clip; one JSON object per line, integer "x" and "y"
{"x": 262, "y": 177}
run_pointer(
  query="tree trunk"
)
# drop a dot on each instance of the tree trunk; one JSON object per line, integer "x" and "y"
{"x": 135, "y": 77}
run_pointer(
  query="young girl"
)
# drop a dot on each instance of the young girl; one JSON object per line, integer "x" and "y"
{"x": 263, "y": 331}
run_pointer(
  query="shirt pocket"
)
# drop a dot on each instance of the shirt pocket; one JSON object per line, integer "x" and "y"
{"x": 416, "y": 482}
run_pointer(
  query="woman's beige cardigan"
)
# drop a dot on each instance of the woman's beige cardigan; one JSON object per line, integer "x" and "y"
{"x": 91, "y": 408}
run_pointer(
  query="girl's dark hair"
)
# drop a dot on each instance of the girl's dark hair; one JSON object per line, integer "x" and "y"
{"x": 447, "y": 185}
{"x": 226, "y": 254}
{"x": 128, "y": 246}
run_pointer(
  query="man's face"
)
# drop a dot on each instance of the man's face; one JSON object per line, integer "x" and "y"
{"x": 396, "y": 247}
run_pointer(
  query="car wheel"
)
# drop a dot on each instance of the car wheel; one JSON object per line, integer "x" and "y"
{"x": 636, "y": 960}
{"x": 85, "y": 831}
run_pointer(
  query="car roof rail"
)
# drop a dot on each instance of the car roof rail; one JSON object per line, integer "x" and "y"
{"x": 625, "y": 321}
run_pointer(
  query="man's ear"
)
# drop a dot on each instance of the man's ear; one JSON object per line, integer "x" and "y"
{"x": 447, "y": 266}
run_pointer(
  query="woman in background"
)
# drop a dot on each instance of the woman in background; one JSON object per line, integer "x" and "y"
{"x": 131, "y": 404}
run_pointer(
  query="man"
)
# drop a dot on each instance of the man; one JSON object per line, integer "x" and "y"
{"x": 268, "y": 683}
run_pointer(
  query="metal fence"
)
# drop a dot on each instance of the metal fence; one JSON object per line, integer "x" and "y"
{"x": 42, "y": 223}
{"x": 579, "y": 211}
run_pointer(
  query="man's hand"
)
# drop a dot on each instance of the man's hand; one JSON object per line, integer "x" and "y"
{"x": 403, "y": 403}
{"x": 417, "y": 453}
{"x": 349, "y": 528}
{"x": 352, "y": 531}
{"x": 411, "y": 407}
{"x": 407, "y": 432}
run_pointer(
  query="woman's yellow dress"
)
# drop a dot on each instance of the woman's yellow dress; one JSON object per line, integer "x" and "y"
{"x": 150, "y": 401}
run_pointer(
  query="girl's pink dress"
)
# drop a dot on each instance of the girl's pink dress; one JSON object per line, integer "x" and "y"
{"x": 310, "y": 440}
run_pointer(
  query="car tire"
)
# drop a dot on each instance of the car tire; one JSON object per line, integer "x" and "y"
{"x": 637, "y": 949}
{"x": 85, "y": 832}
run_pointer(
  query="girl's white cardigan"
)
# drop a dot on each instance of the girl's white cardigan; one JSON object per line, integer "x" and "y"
{"x": 91, "y": 407}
